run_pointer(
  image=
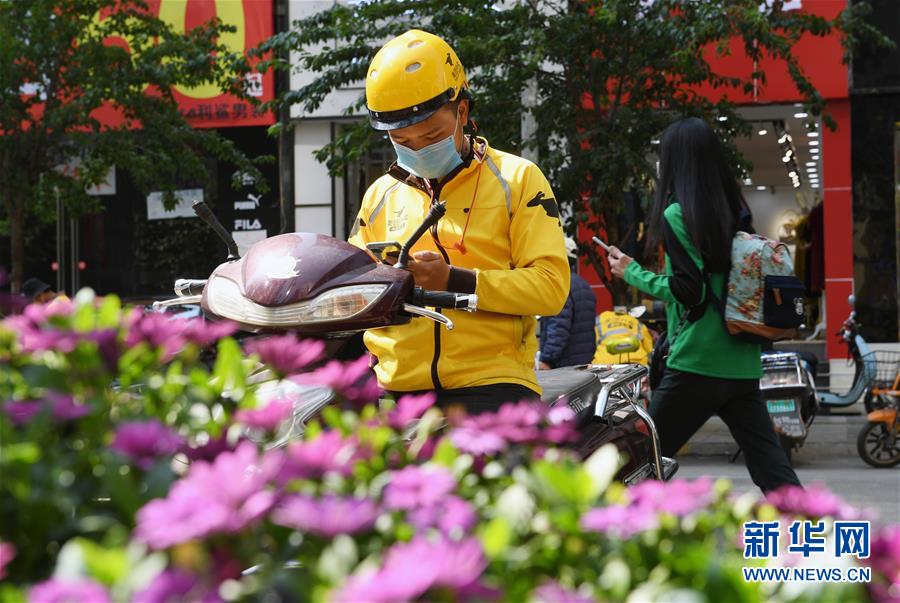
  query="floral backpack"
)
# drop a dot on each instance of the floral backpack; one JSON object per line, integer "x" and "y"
{"x": 764, "y": 300}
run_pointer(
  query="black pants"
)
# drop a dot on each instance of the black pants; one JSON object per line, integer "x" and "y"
{"x": 481, "y": 398}
{"x": 684, "y": 401}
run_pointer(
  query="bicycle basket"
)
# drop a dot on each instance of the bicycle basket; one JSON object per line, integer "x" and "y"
{"x": 884, "y": 365}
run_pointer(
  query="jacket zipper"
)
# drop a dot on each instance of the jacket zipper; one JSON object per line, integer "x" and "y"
{"x": 403, "y": 176}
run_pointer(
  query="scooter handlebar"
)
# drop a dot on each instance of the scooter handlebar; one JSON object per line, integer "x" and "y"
{"x": 185, "y": 287}
{"x": 445, "y": 299}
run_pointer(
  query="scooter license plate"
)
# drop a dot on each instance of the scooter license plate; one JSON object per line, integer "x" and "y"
{"x": 780, "y": 406}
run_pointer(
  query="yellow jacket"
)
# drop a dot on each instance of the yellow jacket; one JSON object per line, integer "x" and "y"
{"x": 613, "y": 324}
{"x": 514, "y": 244}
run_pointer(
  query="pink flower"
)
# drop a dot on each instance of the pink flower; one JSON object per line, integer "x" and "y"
{"x": 7, "y": 554}
{"x": 814, "y": 501}
{"x": 22, "y": 412}
{"x": 414, "y": 487}
{"x": 622, "y": 521}
{"x": 286, "y": 354}
{"x": 411, "y": 569}
{"x": 677, "y": 497}
{"x": 410, "y": 408}
{"x": 156, "y": 331}
{"x": 68, "y": 591}
{"x": 172, "y": 584}
{"x": 521, "y": 423}
{"x": 205, "y": 333}
{"x": 330, "y": 452}
{"x": 451, "y": 516}
{"x": 63, "y": 409}
{"x": 269, "y": 417}
{"x": 884, "y": 555}
{"x": 327, "y": 516}
{"x": 145, "y": 441}
{"x": 210, "y": 450}
{"x": 553, "y": 592}
{"x": 354, "y": 380}
{"x": 477, "y": 442}
{"x": 222, "y": 497}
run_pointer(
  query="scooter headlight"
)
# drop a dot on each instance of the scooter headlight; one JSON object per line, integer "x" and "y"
{"x": 224, "y": 299}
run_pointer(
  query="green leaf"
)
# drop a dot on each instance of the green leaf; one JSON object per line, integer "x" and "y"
{"x": 496, "y": 537}
{"x": 108, "y": 566}
{"x": 229, "y": 370}
{"x": 11, "y": 594}
{"x": 24, "y": 452}
{"x": 565, "y": 482}
{"x": 445, "y": 453}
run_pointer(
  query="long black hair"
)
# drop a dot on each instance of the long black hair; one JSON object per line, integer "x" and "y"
{"x": 693, "y": 172}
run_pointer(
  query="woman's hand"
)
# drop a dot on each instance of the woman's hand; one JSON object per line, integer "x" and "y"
{"x": 618, "y": 261}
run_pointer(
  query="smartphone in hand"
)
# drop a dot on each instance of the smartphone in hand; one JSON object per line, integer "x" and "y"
{"x": 601, "y": 243}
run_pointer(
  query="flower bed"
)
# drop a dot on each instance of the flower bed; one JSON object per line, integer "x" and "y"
{"x": 134, "y": 470}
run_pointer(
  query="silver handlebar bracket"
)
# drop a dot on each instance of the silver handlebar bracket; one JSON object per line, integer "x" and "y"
{"x": 426, "y": 313}
{"x": 627, "y": 382}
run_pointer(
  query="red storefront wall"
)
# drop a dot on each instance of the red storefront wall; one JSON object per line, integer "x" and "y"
{"x": 821, "y": 60}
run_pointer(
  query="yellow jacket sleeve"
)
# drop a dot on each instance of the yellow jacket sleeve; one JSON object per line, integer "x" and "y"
{"x": 539, "y": 280}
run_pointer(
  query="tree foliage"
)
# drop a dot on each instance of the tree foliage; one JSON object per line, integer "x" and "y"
{"x": 604, "y": 78}
{"x": 88, "y": 84}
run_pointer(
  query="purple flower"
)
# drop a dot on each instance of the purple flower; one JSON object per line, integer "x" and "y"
{"x": 414, "y": 487}
{"x": 330, "y": 452}
{"x": 327, "y": 516}
{"x": 170, "y": 585}
{"x": 451, "y": 516}
{"x": 619, "y": 520}
{"x": 157, "y": 331}
{"x": 286, "y": 354}
{"x": 410, "y": 408}
{"x": 269, "y": 417}
{"x": 814, "y": 501}
{"x": 65, "y": 408}
{"x": 353, "y": 380}
{"x": 107, "y": 341}
{"x": 521, "y": 423}
{"x": 210, "y": 450}
{"x": 145, "y": 441}
{"x": 68, "y": 591}
{"x": 678, "y": 497}
{"x": 553, "y": 592}
{"x": 205, "y": 333}
{"x": 411, "y": 569}
{"x": 224, "y": 496}
{"x": 884, "y": 555}
{"x": 477, "y": 442}
{"x": 22, "y": 412}
{"x": 7, "y": 554}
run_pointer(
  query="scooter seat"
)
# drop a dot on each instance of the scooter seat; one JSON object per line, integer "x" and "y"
{"x": 565, "y": 382}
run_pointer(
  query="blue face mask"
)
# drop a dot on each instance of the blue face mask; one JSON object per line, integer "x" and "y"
{"x": 434, "y": 161}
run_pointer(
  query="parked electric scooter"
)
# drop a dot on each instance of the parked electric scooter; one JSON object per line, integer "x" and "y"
{"x": 863, "y": 360}
{"x": 788, "y": 389}
{"x": 878, "y": 443}
{"x": 318, "y": 286}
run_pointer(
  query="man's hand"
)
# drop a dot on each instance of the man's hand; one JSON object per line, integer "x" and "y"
{"x": 430, "y": 270}
{"x": 618, "y": 261}
{"x": 543, "y": 366}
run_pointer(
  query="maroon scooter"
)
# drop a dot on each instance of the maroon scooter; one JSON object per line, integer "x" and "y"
{"x": 318, "y": 286}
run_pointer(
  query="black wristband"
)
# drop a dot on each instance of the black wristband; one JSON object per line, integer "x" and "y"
{"x": 461, "y": 280}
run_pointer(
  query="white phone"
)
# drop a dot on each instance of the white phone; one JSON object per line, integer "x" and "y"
{"x": 601, "y": 243}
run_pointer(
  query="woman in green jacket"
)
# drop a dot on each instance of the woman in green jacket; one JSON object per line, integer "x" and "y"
{"x": 696, "y": 213}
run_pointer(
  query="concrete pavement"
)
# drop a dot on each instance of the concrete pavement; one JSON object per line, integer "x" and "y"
{"x": 847, "y": 476}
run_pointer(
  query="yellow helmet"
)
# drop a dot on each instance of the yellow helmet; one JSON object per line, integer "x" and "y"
{"x": 410, "y": 78}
